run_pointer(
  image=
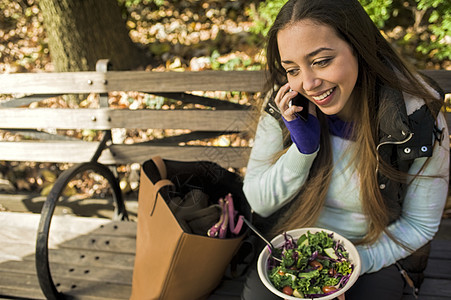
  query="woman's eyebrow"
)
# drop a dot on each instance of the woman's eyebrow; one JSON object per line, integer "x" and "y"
{"x": 319, "y": 50}
{"x": 311, "y": 54}
{"x": 287, "y": 62}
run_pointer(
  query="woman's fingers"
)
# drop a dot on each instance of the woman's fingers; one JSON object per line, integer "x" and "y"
{"x": 282, "y": 100}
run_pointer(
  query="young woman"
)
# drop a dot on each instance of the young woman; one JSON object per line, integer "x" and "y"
{"x": 371, "y": 161}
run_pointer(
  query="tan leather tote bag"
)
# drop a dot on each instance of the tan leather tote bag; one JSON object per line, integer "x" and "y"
{"x": 171, "y": 263}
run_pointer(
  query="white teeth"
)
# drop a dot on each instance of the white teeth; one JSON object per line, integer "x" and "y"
{"x": 322, "y": 96}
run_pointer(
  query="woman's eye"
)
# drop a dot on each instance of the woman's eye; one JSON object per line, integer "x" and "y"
{"x": 322, "y": 62}
{"x": 292, "y": 72}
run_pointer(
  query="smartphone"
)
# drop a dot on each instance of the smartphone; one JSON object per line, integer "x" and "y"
{"x": 300, "y": 100}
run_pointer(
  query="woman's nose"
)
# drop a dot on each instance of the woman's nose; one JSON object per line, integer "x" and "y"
{"x": 310, "y": 81}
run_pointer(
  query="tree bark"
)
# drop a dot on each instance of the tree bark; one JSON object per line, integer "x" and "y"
{"x": 80, "y": 32}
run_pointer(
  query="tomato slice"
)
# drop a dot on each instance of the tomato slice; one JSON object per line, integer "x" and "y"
{"x": 287, "y": 290}
{"x": 328, "y": 288}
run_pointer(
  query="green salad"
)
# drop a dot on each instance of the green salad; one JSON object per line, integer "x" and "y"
{"x": 313, "y": 266}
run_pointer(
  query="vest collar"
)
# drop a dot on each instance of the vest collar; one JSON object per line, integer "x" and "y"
{"x": 392, "y": 115}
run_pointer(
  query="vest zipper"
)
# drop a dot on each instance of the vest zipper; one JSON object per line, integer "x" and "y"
{"x": 393, "y": 143}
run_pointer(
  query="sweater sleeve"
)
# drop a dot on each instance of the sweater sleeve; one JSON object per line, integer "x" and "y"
{"x": 421, "y": 213}
{"x": 270, "y": 185}
{"x": 305, "y": 134}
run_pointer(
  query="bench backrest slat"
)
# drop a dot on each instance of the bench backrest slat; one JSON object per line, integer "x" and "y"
{"x": 79, "y": 151}
{"x": 104, "y": 118}
{"x": 99, "y": 82}
{"x": 442, "y": 77}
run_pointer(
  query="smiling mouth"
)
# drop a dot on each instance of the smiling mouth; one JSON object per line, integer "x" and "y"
{"x": 323, "y": 95}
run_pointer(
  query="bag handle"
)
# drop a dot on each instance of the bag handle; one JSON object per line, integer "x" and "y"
{"x": 157, "y": 187}
{"x": 159, "y": 163}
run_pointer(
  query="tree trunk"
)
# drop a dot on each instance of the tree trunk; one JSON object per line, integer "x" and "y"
{"x": 80, "y": 32}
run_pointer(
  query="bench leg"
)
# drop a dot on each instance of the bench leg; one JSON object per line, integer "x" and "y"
{"x": 42, "y": 260}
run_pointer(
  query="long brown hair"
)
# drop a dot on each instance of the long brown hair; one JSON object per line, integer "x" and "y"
{"x": 379, "y": 65}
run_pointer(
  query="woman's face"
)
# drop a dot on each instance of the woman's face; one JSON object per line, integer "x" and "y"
{"x": 319, "y": 65}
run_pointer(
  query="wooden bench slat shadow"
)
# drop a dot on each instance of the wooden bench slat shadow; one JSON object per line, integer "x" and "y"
{"x": 99, "y": 265}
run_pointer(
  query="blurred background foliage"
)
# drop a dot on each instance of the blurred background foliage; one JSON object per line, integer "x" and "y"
{"x": 419, "y": 29}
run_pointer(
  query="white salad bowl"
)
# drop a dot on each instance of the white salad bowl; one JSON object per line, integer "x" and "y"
{"x": 278, "y": 241}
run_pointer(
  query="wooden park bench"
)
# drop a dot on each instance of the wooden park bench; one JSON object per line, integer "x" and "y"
{"x": 99, "y": 264}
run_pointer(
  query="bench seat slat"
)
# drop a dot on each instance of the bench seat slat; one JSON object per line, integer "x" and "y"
{"x": 84, "y": 257}
{"x": 439, "y": 268}
{"x": 435, "y": 287}
{"x": 73, "y": 271}
{"x": 27, "y": 286}
{"x": 102, "y": 243}
{"x": 116, "y": 228}
{"x": 440, "y": 249}
{"x": 16, "y": 285}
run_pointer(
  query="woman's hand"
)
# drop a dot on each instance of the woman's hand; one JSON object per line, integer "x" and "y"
{"x": 283, "y": 99}
{"x": 304, "y": 134}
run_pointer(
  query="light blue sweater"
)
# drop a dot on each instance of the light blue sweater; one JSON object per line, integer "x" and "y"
{"x": 269, "y": 186}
